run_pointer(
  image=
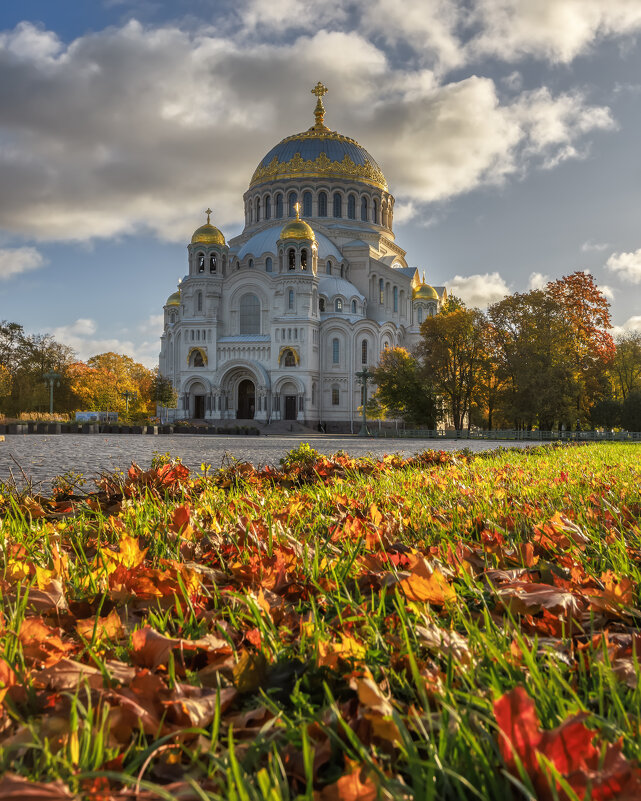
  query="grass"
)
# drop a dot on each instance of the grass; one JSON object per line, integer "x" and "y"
{"x": 339, "y": 629}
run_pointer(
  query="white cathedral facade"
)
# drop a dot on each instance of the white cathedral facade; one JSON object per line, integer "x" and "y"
{"x": 275, "y": 324}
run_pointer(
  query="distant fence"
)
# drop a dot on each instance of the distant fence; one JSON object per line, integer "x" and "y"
{"x": 511, "y": 434}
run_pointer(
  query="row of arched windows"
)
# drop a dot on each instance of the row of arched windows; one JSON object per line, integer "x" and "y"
{"x": 366, "y": 209}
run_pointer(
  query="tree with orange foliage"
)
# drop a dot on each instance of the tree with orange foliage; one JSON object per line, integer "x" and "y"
{"x": 587, "y": 310}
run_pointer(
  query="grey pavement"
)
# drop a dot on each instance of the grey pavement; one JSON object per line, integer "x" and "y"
{"x": 43, "y": 457}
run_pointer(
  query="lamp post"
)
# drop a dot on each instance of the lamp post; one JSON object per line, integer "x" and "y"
{"x": 51, "y": 379}
{"x": 128, "y": 395}
{"x": 364, "y": 376}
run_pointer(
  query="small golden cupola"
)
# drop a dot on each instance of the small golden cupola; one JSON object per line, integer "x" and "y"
{"x": 424, "y": 291}
{"x": 174, "y": 299}
{"x": 208, "y": 234}
{"x": 298, "y": 229}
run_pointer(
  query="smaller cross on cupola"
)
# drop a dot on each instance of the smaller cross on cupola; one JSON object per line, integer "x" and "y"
{"x": 319, "y": 112}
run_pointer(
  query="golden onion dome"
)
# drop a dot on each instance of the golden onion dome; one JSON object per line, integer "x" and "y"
{"x": 298, "y": 229}
{"x": 424, "y": 291}
{"x": 319, "y": 153}
{"x": 174, "y": 299}
{"x": 208, "y": 234}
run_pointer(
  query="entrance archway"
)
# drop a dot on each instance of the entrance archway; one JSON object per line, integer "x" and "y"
{"x": 197, "y": 405}
{"x": 290, "y": 398}
{"x": 246, "y": 400}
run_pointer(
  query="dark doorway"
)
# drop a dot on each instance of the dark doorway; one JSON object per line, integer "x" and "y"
{"x": 246, "y": 400}
{"x": 199, "y": 407}
{"x": 290, "y": 407}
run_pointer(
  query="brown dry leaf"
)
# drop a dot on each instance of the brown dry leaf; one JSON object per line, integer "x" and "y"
{"x": 110, "y": 627}
{"x": 436, "y": 589}
{"x": 67, "y": 674}
{"x": 250, "y": 672}
{"x": 41, "y": 643}
{"x": 445, "y": 642}
{"x": 7, "y": 679}
{"x": 523, "y": 597}
{"x": 17, "y": 788}
{"x": 48, "y": 600}
{"x": 198, "y": 707}
{"x": 348, "y": 649}
{"x": 150, "y": 648}
{"x": 350, "y": 787}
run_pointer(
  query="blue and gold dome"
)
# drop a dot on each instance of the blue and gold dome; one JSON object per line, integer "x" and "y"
{"x": 319, "y": 153}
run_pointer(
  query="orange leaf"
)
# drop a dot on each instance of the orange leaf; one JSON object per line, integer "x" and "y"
{"x": 434, "y": 589}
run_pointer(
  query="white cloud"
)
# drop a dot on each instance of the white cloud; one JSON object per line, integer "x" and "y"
{"x": 479, "y": 290}
{"x": 538, "y": 281}
{"x": 631, "y": 324}
{"x": 589, "y": 246}
{"x": 556, "y": 30}
{"x": 14, "y": 261}
{"x": 626, "y": 266}
{"x": 608, "y": 291}
{"x": 135, "y": 129}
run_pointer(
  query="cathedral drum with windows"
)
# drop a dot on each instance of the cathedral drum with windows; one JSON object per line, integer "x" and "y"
{"x": 274, "y": 324}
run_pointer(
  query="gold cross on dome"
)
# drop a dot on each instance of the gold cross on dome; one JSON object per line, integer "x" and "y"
{"x": 319, "y": 112}
{"x": 319, "y": 90}
{"x": 297, "y": 207}
{"x": 208, "y": 212}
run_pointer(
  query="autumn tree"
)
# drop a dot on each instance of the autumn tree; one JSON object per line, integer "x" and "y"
{"x": 625, "y": 368}
{"x": 130, "y": 376}
{"x": 452, "y": 349}
{"x": 535, "y": 360}
{"x": 587, "y": 311}
{"x": 404, "y": 390}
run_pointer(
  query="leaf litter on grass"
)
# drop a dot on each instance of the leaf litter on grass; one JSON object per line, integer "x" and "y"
{"x": 443, "y": 626}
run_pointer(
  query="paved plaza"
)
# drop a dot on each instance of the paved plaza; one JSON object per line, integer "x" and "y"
{"x": 44, "y": 457}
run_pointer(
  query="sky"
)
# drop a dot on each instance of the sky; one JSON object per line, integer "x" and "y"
{"x": 509, "y": 132}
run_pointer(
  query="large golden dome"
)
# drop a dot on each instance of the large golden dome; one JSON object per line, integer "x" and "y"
{"x": 207, "y": 234}
{"x": 424, "y": 292}
{"x": 319, "y": 153}
{"x": 298, "y": 229}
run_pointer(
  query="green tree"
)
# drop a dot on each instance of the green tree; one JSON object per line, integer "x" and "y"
{"x": 452, "y": 348}
{"x": 162, "y": 391}
{"x": 625, "y": 370}
{"x": 403, "y": 389}
{"x": 631, "y": 411}
{"x": 533, "y": 341}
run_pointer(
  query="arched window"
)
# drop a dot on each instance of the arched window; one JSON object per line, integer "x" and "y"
{"x": 338, "y": 305}
{"x": 251, "y": 264}
{"x": 322, "y": 204}
{"x": 201, "y": 262}
{"x": 375, "y": 211}
{"x": 328, "y": 268}
{"x": 342, "y": 271}
{"x": 268, "y": 264}
{"x": 224, "y": 264}
{"x": 291, "y": 203}
{"x": 197, "y": 359}
{"x": 364, "y": 209}
{"x": 303, "y": 259}
{"x": 353, "y": 307}
{"x": 199, "y": 301}
{"x": 420, "y": 315}
{"x": 321, "y": 304}
{"x": 268, "y": 207}
{"x": 381, "y": 291}
{"x": 336, "y": 351}
{"x": 289, "y": 360}
{"x": 290, "y": 299}
{"x": 257, "y": 209}
{"x": 314, "y": 302}
{"x": 351, "y": 207}
{"x": 213, "y": 263}
{"x": 395, "y": 298}
{"x": 336, "y": 396}
{"x": 307, "y": 204}
{"x": 291, "y": 259}
{"x": 279, "y": 205}
{"x": 364, "y": 352}
{"x": 249, "y": 314}
{"x": 313, "y": 393}
{"x": 338, "y": 204}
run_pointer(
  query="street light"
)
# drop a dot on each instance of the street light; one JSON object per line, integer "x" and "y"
{"x": 51, "y": 379}
{"x": 128, "y": 395}
{"x": 364, "y": 376}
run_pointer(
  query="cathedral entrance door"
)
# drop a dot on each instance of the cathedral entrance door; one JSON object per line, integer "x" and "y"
{"x": 290, "y": 407}
{"x": 246, "y": 400}
{"x": 199, "y": 407}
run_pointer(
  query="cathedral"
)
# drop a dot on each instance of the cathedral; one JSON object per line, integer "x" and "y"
{"x": 275, "y": 324}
